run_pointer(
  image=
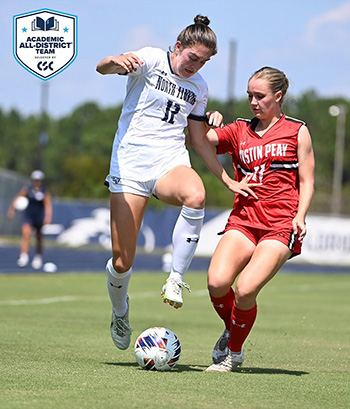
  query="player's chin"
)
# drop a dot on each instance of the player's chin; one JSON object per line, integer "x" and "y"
{"x": 188, "y": 74}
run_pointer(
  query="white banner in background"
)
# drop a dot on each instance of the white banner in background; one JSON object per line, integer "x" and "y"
{"x": 327, "y": 241}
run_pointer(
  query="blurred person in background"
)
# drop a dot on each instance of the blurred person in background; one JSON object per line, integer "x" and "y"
{"x": 35, "y": 202}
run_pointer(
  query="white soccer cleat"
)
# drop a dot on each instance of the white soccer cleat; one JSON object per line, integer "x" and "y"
{"x": 121, "y": 330}
{"x": 23, "y": 260}
{"x": 220, "y": 350}
{"x": 37, "y": 262}
{"x": 229, "y": 364}
{"x": 172, "y": 292}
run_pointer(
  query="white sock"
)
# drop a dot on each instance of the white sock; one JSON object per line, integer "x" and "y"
{"x": 118, "y": 288}
{"x": 185, "y": 239}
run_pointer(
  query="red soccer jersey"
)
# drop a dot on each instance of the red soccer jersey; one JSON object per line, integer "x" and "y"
{"x": 273, "y": 160}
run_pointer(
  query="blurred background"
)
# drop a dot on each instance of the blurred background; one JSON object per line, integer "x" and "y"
{"x": 65, "y": 126}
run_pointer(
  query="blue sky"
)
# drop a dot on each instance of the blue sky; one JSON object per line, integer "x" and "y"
{"x": 308, "y": 39}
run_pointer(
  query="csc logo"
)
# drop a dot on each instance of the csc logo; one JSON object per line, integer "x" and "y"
{"x": 43, "y": 66}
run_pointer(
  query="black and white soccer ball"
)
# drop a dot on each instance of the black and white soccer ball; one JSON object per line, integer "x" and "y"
{"x": 157, "y": 349}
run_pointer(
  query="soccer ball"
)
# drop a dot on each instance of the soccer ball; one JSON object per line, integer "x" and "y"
{"x": 50, "y": 267}
{"x": 157, "y": 349}
{"x": 21, "y": 203}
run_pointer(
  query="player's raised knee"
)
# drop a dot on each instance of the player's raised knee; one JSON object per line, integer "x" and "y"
{"x": 196, "y": 199}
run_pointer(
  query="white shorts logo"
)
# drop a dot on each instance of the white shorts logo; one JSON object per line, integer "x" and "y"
{"x": 45, "y": 41}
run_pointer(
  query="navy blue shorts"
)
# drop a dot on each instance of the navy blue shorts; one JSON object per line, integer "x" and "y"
{"x": 34, "y": 219}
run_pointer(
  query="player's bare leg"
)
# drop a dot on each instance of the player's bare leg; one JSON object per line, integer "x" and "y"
{"x": 24, "y": 250}
{"x": 266, "y": 261}
{"x": 127, "y": 212}
{"x": 37, "y": 261}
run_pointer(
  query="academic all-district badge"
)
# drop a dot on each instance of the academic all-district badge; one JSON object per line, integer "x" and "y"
{"x": 45, "y": 41}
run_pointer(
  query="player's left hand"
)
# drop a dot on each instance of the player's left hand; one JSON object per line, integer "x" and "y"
{"x": 214, "y": 118}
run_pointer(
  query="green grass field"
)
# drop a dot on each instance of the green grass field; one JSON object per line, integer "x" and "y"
{"x": 56, "y": 350}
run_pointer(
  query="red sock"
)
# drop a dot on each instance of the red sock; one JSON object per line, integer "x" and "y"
{"x": 241, "y": 323}
{"x": 223, "y": 306}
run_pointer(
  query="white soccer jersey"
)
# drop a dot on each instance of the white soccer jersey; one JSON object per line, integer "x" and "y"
{"x": 151, "y": 126}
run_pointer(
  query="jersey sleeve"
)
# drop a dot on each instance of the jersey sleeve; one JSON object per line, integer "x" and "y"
{"x": 149, "y": 56}
{"x": 227, "y": 139}
{"x": 201, "y": 104}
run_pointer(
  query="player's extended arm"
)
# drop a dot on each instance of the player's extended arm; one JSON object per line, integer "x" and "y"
{"x": 119, "y": 64}
{"x": 11, "y": 209}
{"x": 213, "y": 118}
{"x": 306, "y": 180}
{"x": 200, "y": 142}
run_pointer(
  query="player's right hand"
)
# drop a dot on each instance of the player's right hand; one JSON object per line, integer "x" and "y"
{"x": 243, "y": 187}
{"x": 129, "y": 61}
{"x": 214, "y": 118}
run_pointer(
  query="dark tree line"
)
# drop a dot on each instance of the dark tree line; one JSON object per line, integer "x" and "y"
{"x": 74, "y": 150}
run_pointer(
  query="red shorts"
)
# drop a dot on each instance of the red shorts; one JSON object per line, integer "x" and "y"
{"x": 285, "y": 236}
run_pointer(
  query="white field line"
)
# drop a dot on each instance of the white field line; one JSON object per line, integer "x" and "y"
{"x": 39, "y": 301}
{"x": 197, "y": 293}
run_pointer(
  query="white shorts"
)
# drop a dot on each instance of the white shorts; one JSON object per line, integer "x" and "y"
{"x": 118, "y": 185}
{"x": 148, "y": 188}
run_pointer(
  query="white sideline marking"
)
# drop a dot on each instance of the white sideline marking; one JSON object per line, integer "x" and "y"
{"x": 39, "y": 301}
{"x": 197, "y": 293}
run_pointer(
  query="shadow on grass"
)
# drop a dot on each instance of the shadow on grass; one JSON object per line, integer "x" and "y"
{"x": 121, "y": 364}
{"x": 177, "y": 368}
{"x": 270, "y": 371}
{"x": 201, "y": 368}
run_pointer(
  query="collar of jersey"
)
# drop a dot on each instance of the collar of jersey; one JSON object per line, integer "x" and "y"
{"x": 169, "y": 62}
